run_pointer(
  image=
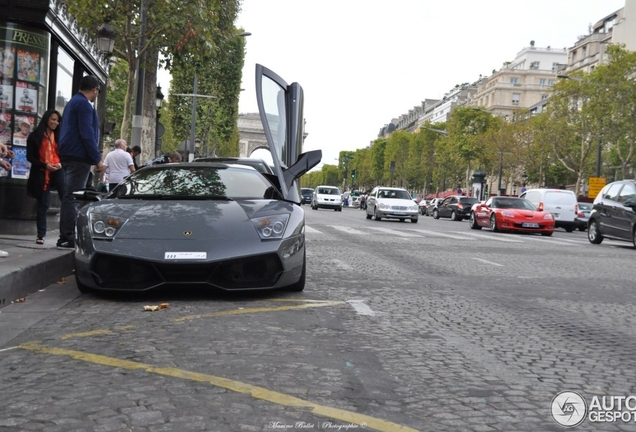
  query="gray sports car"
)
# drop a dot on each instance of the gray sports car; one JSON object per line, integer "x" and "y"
{"x": 222, "y": 225}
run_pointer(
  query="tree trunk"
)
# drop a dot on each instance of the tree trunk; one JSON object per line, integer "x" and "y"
{"x": 149, "y": 107}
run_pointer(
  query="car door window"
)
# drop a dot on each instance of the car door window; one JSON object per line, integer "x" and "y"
{"x": 627, "y": 194}
{"x": 612, "y": 192}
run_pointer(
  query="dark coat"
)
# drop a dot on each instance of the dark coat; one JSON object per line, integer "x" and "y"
{"x": 35, "y": 183}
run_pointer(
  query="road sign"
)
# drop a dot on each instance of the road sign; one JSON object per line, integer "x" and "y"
{"x": 595, "y": 184}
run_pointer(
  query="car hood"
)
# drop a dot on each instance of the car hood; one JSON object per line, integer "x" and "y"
{"x": 524, "y": 212}
{"x": 396, "y": 202}
{"x": 200, "y": 220}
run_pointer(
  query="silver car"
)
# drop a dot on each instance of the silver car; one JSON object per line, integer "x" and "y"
{"x": 391, "y": 203}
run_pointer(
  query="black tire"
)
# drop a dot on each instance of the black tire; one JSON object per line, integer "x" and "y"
{"x": 300, "y": 285}
{"x": 472, "y": 222}
{"x": 369, "y": 216}
{"x": 581, "y": 228}
{"x": 546, "y": 234}
{"x": 414, "y": 220}
{"x": 569, "y": 229}
{"x": 594, "y": 233}
{"x": 454, "y": 215}
{"x": 335, "y": 209}
{"x": 435, "y": 214}
{"x": 634, "y": 237}
{"x": 493, "y": 223}
{"x": 376, "y": 215}
{"x": 402, "y": 220}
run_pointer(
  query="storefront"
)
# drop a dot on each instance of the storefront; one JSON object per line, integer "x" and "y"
{"x": 43, "y": 56}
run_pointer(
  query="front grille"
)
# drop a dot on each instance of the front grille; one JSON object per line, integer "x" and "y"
{"x": 398, "y": 208}
{"x": 124, "y": 273}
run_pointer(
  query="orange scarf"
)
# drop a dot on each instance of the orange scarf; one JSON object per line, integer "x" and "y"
{"x": 48, "y": 155}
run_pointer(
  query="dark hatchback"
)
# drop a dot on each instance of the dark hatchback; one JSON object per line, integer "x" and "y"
{"x": 456, "y": 207}
{"x": 305, "y": 194}
{"x": 614, "y": 213}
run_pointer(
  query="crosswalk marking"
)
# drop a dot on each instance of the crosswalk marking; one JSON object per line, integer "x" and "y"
{"x": 311, "y": 230}
{"x": 545, "y": 240}
{"x": 347, "y": 229}
{"x": 492, "y": 237}
{"x": 394, "y": 232}
{"x": 438, "y": 234}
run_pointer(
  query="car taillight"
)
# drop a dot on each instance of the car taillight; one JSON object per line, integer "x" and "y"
{"x": 460, "y": 205}
{"x": 576, "y": 208}
{"x": 580, "y": 214}
{"x": 540, "y": 207}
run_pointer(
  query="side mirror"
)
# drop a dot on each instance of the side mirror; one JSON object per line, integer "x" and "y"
{"x": 304, "y": 163}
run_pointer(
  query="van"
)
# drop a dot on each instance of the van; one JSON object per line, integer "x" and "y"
{"x": 561, "y": 203}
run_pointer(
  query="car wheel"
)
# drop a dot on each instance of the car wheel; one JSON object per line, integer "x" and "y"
{"x": 473, "y": 222}
{"x": 402, "y": 220}
{"x": 376, "y": 215}
{"x": 414, "y": 220}
{"x": 594, "y": 233}
{"x": 454, "y": 216}
{"x": 634, "y": 237}
{"x": 546, "y": 234}
{"x": 335, "y": 209}
{"x": 83, "y": 288}
{"x": 369, "y": 216}
{"x": 300, "y": 285}
{"x": 493, "y": 223}
{"x": 569, "y": 229}
{"x": 435, "y": 214}
{"x": 581, "y": 228}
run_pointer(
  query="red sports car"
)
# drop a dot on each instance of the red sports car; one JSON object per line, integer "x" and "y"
{"x": 511, "y": 214}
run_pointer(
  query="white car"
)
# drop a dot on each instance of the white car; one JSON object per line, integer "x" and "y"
{"x": 391, "y": 203}
{"x": 328, "y": 197}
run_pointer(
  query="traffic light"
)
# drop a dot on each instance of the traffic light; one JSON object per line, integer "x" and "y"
{"x": 353, "y": 173}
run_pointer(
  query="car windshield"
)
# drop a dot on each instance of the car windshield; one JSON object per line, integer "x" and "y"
{"x": 585, "y": 206}
{"x": 195, "y": 182}
{"x": 258, "y": 164}
{"x": 468, "y": 201}
{"x": 306, "y": 191}
{"x": 512, "y": 203}
{"x": 329, "y": 191}
{"x": 393, "y": 194}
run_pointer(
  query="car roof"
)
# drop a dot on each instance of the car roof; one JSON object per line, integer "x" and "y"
{"x": 253, "y": 162}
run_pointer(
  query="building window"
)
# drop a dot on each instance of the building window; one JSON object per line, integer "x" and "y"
{"x": 515, "y": 98}
{"x": 534, "y": 65}
{"x": 542, "y": 82}
{"x": 514, "y": 80}
{"x": 551, "y": 82}
{"x": 544, "y": 96}
{"x": 584, "y": 53}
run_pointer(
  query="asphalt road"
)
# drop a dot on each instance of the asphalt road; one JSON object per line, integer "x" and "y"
{"x": 401, "y": 327}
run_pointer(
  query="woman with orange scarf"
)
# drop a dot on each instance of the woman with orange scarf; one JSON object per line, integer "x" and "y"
{"x": 46, "y": 170}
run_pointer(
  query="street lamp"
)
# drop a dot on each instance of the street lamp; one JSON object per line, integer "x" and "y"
{"x": 159, "y": 130}
{"x": 106, "y": 38}
{"x": 600, "y": 136}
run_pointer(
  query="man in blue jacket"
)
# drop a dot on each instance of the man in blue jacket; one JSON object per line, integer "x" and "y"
{"x": 79, "y": 150}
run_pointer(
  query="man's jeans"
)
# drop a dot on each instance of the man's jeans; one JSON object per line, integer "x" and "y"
{"x": 76, "y": 178}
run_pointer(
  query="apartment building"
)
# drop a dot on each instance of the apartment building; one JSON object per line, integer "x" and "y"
{"x": 521, "y": 83}
{"x": 589, "y": 50}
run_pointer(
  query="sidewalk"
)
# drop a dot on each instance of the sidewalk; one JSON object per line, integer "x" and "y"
{"x": 30, "y": 267}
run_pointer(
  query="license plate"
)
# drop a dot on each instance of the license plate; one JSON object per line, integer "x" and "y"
{"x": 530, "y": 225}
{"x": 185, "y": 255}
{"x": 399, "y": 213}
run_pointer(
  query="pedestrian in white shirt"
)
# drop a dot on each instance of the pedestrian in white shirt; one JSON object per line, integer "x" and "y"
{"x": 119, "y": 164}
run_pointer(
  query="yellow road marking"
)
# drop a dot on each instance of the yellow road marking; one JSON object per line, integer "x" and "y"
{"x": 86, "y": 334}
{"x": 300, "y": 300}
{"x": 236, "y": 386}
{"x": 257, "y": 310}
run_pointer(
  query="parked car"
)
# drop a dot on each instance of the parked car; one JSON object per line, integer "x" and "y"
{"x": 258, "y": 164}
{"x": 432, "y": 206}
{"x": 327, "y": 197}
{"x": 456, "y": 207}
{"x": 391, "y": 203}
{"x": 423, "y": 205}
{"x": 511, "y": 214}
{"x": 561, "y": 203}
{"x": 210, "y": 224}
{"x": 306, "y": 194}
{"x": 583, "y": 215}
{"x": 614, "y": 213}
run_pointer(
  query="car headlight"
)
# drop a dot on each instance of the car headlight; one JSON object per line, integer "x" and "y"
{"x": 548, "y": 216}
{"x": 271, "y": 227}
{"x": 507, "y": 213}
{"x": 413, "y": 208}
{"x": 104, "y": 226}
{"x": 384, "y": 206}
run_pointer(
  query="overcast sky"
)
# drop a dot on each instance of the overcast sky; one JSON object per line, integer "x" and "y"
{"x": 363, "y": 62}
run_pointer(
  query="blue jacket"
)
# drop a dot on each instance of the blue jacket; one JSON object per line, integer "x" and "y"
{"x": 79, "y": 131}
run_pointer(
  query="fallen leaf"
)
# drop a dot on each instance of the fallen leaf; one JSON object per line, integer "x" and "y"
{"x": 61, "y": 281}
{"x": 151, "y": 308}
{"x": 20, "y": 300}
{"x": 164, "y": 305}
